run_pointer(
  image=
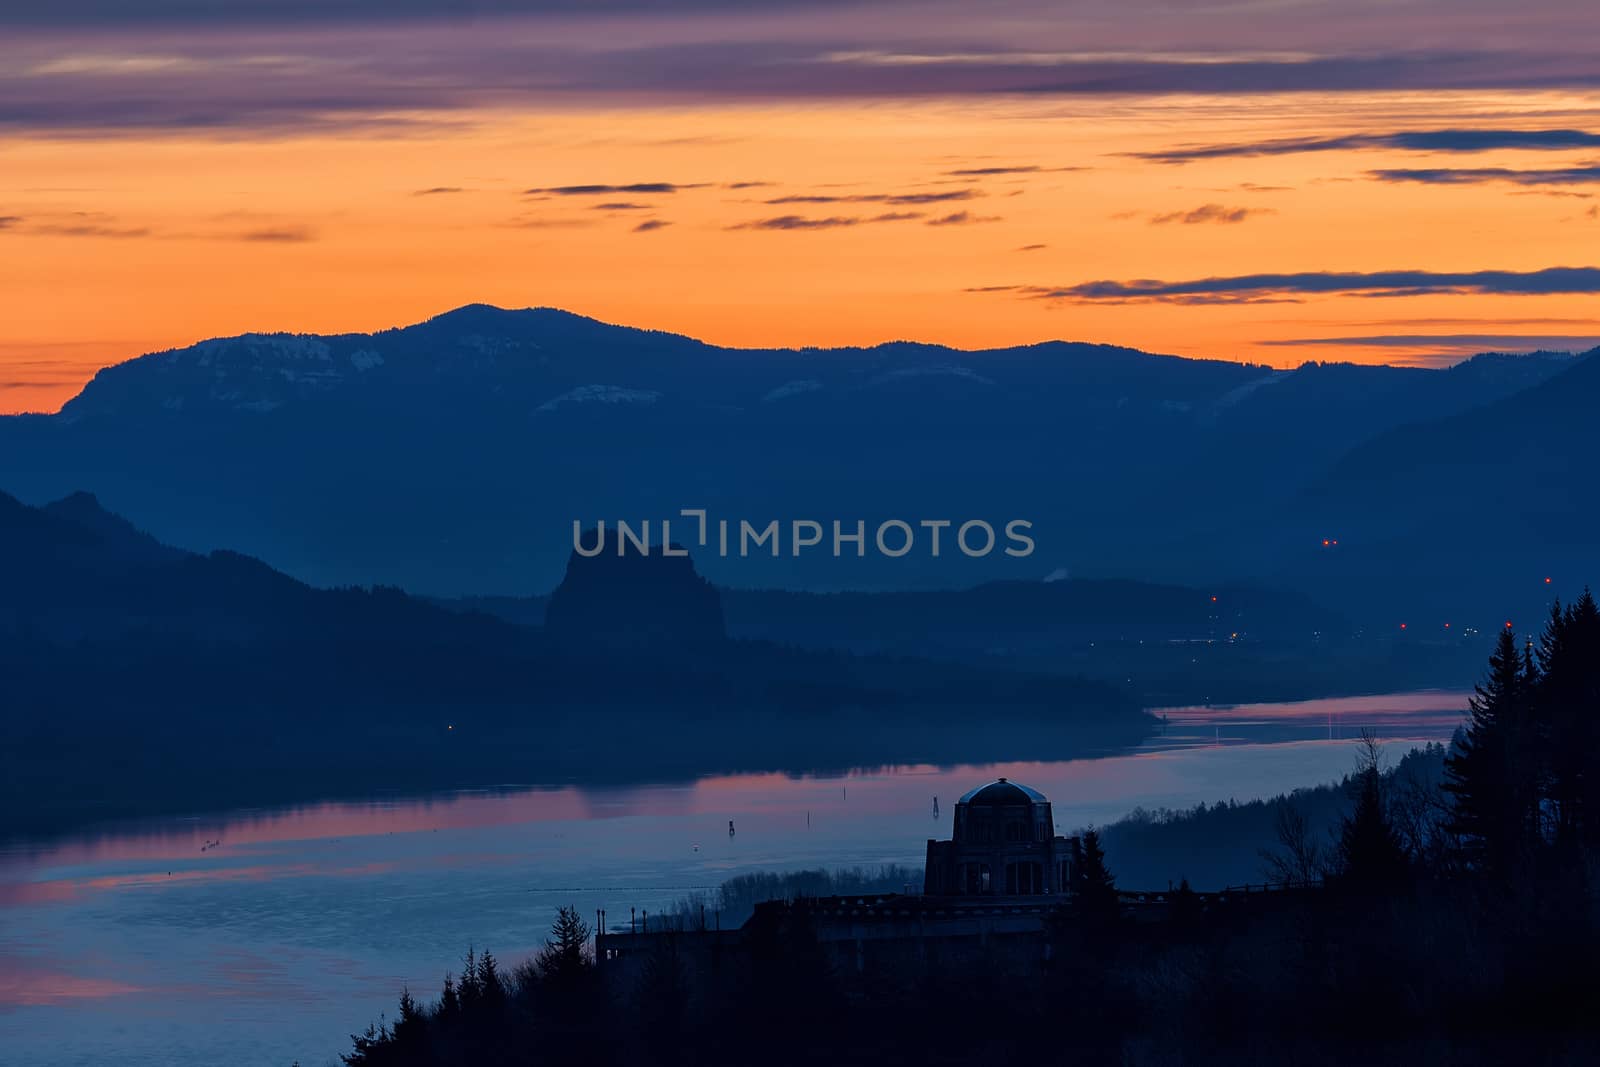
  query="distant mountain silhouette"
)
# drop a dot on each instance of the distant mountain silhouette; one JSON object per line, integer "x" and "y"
{"x": 453, "y": 456}
{"x": 634, "y": 600}
{"x": 141, "y": 678}
{"x": 1480, "y": 505}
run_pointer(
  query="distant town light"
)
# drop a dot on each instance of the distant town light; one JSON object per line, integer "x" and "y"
{"x": 1402, "y": 626}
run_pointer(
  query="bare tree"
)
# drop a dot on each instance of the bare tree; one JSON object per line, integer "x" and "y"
{"x": 1299, "y": 858}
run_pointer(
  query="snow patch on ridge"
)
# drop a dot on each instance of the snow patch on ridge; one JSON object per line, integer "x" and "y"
{"x": 600, "y": 394}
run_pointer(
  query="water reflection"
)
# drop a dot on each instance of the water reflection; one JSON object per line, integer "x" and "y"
{"x": 122, "y": 943}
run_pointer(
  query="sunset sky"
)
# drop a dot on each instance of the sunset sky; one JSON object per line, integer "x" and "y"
{"x": 1263, "y": 180}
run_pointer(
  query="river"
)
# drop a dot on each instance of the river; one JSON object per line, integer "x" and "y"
{"x": 269, "y": 936}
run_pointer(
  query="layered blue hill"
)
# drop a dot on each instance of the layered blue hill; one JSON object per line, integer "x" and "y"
{"x": 454, "y": 456}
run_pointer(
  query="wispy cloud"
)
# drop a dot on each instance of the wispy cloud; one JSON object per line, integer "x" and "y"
{"x": 548, "y": 223}
{"x": 962, "y": 218}
{"x": 1283, "y": 288}
{"x": 1581, "y": 175}
{"x": 635, "y": 188}
{"x": 1000, "y": 171}
{"x": 1445, "y": 140}
{"x": 649, "y": 225}
{"x": 1210, "y": 213}
{"x": 1467, "y": 343}
{"x": 832, "y": 222}
{"x": 439, "y": 190}
{"x": 879, "y": 198}
{"x": 100, "y": 225}
{"x": 279, "y": 235}
{"x": 87, "y": 229}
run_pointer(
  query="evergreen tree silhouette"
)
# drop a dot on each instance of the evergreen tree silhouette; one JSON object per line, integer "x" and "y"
{"x": 1094, "y": 888}
{"x": 1567, "y": 704}
{"x": 449, "y": 1001}
{"x": 1492, "y": 776}
{"x": 409, "y": 1035}
{"x": 564, "y": 961}
{"x": 1370, "y": 853}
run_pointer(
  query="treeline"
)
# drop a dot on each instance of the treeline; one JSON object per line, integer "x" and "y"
{"x": 1231, "y": 842}
{"x": 735, "y": 899}
{"x": 1454, "y": 918}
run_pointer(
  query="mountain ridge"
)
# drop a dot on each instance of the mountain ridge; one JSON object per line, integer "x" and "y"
{"x": 452, "y": 456}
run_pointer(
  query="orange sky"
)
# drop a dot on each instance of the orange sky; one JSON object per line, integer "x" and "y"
{"x": 118, "y": 244}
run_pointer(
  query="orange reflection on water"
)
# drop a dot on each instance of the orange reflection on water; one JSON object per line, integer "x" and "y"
{"x": 20, "y": 987}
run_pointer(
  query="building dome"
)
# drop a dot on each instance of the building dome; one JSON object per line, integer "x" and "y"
{"x": 1002, "y": 843}
{"x": 1001, "y": 792}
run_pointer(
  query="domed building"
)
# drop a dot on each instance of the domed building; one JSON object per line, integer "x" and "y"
{"x": 1003, "y": 843}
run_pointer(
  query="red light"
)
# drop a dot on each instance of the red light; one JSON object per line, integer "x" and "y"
{"x": 1547, "y": 581}
{"x": 1213, "y": 600}
{"x": 1402, "y": 626}
{"x": 1508, "y": 624}
{"x": 1326, "y": 542}
{"x": 1447, "y": 626}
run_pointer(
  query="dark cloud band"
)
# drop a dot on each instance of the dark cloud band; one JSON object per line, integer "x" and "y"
{"x": 1446, "y": 140}
{"x": 299, "y": 81}
{"x": 1270, "y": 288}
{"x": 1583, "y": 175}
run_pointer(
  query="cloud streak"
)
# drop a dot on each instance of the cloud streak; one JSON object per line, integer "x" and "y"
{"x": 832, "y": 222}
{"x": 1281, "y": 288}
{"x": 1209, "y": 213}
{"x": 1456, "y": 342}
{"x": 878, "y": 198}
{"x": 1444, "y": 140}
{"x": 633, "y": 188}
{"x": 1582, "y": 175}
{"x": 279, "y": 235}
{"x": 962, "y": 218}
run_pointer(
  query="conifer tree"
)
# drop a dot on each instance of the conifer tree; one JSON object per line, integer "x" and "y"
{"x": 449, "y": 1001}
{"x": 410, "y": 1032}
{"x": 1370, "y": 854}
{"x": 564, "y": 959}
{"x": 1492, "y": 776}
{"x": 1094, "y": 888}
{"x": 1567, "y": 706}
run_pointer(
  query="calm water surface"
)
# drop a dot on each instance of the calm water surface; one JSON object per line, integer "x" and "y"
{"x": 268, "y": 936}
